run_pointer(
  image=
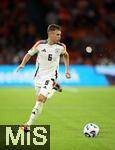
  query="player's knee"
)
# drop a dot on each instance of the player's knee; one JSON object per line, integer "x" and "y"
{"x": 41, "y": 98}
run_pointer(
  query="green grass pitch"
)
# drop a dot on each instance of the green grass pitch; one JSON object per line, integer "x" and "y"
{"x": 66, "y": 113}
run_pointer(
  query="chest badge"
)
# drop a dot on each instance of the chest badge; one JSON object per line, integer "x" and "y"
{"x": 57, "y": 50}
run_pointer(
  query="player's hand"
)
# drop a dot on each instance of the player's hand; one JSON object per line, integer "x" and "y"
{"x": 68, "y": 75}
{"x": 19, "y": 67}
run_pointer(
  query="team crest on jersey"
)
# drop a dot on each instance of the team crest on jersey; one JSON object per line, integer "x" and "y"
{"x": 44, "y": 50}
{"x": 57, "y": 50}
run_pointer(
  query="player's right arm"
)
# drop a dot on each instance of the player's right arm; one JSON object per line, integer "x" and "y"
{"x": 27, "y": 57}
{"x": 24, "y": 61}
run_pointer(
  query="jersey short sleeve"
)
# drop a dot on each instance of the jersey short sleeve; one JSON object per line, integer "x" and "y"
{"x": 63, "y": 48}
{"x": 34, "y": 49}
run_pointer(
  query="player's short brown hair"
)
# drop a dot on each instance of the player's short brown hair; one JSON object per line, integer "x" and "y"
{"x": 53, "y": 27}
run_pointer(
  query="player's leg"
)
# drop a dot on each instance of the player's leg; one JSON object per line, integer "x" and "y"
{"x": 42, "y": 95}
{"x": 35, "y": 112}
{"x": 56, "y": 87}
{"x": 41, "y": 98}
{"x": 37, "y": 109}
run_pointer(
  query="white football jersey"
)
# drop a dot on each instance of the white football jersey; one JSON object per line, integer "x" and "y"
{"x": 47, "y": 61}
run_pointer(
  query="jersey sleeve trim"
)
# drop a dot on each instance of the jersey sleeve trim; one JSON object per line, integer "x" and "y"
{"x": 35, "y": 48}
{"x": 64, "y": 47}
{"x": 39, "y": 42}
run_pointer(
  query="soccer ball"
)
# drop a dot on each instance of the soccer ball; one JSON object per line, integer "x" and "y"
{"x": 91, "y": 130}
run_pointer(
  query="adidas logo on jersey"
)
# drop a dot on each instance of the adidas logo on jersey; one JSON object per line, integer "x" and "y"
{"x": 44, "y": 87}
{"x": 44, "y": 50}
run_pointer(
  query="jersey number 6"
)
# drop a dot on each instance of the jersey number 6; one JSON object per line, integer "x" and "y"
{"x": 50, "y": 57}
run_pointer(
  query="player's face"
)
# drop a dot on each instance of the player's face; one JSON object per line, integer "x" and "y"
{"x": 55, "y": 36}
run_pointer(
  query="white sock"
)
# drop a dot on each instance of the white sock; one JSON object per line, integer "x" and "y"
{"x": 35, "y": 112}
{"x": 51, "y": 93}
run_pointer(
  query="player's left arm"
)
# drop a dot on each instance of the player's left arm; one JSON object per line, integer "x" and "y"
{"x": 66, "y": 62}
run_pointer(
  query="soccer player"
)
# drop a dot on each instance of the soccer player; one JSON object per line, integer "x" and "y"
{"x": 47, "y": 62}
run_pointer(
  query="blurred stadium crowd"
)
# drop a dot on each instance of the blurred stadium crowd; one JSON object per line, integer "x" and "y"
{"x": 84, "y": 23}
